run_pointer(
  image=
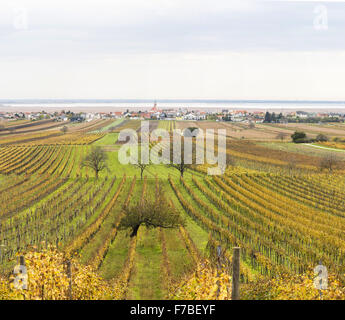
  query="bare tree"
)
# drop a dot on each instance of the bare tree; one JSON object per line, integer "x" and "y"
{"x": 280, "y": 136}
{"x": 156, "y": 213}
{"x": 142, "y": 167}
{"x": 329, "y": 162}
{"x": 64, "y": 129}
{"x": 96, "y": 160}
{"x": 182, "y": 167}
{"x": 321, "y": 137}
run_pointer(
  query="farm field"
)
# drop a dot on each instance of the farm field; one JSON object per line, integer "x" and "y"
{"x": 273, "y": 201}
{"x": 313, "y": 129}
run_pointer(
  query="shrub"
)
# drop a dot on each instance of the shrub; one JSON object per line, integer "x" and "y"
{"x": 298, "y": 137}
{"x": 321, "y": 137}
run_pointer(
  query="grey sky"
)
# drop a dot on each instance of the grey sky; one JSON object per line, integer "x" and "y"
{"x": 172, "y": 49}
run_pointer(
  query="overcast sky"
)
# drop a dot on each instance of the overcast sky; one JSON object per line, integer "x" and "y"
{"x": 172, "y": 49}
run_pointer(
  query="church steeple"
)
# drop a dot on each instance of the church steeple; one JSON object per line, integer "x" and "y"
{"x": 154, "y": 109}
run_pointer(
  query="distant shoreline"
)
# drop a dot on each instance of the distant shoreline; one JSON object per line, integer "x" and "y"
{"x": 111, "y": 105}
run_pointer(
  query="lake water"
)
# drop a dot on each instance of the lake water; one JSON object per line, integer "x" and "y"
{"x": 113, "y": 105}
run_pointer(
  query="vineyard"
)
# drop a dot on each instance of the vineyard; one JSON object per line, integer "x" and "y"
{"x": 285, "y": 219}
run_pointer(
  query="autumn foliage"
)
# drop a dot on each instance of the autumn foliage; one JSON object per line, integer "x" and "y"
{"x": 209, "y": 283}
{"x": 48, "y": 280}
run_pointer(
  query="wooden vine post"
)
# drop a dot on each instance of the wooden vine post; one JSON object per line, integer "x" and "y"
{"x": 219, "y": 252}
{"x": 69, "y": 276}
{"x": 235, "y": 294}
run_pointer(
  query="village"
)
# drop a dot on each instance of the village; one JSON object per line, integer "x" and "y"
{"x": 156, "y": 113}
